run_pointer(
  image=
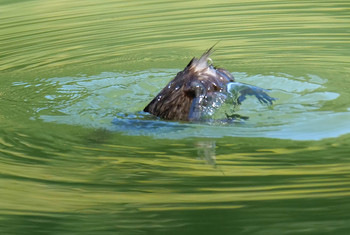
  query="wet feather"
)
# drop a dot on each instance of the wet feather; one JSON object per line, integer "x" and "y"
{"x": 198, "y": 90}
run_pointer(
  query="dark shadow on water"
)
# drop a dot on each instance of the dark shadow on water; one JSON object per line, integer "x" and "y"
{"x": 143, "y": 124}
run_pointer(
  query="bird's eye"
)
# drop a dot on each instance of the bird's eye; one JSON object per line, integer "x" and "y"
{"x": 215, "y": 87}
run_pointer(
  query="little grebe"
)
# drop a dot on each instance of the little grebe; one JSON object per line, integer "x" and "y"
{"x": 200, "y": 87}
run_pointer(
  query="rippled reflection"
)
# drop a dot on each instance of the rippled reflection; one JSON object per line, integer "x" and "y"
{"x": 114, "y": 100}
{"x": 78, "y": 157}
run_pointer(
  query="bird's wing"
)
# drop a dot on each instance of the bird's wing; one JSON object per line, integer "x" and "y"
{"x": 239, "y": 91}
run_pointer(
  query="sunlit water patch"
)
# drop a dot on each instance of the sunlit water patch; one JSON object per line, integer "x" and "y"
{"x": 114, "y": 101}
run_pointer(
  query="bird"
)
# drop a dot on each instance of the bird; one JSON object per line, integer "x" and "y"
{"x": 200, "y": 89}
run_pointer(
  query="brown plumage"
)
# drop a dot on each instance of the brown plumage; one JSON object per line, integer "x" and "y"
{"x": 197, "y": 91}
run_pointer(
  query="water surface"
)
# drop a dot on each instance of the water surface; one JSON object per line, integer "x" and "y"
{"x": 78, "y": 156}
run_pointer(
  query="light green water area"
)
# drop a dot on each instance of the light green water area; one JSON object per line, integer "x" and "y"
{"x": 78, "y": 157}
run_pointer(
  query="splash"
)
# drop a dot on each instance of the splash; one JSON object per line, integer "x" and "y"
{"x": 113, "y": 101}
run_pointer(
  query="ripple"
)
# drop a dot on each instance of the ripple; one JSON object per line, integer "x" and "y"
{"x": 77, "y": 156}
{"x": 65, "y": 33}
{"x": 114, "y": 100}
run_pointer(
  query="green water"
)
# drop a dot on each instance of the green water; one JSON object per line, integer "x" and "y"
{"x": 75, "y": 159}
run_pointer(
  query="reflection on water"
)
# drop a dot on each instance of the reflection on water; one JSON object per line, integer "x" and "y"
{"x": 206, "y": 150}
{"x": 78, "y": 157}
{"x": 123, "y": 183}
{"x": 113, "y": 101}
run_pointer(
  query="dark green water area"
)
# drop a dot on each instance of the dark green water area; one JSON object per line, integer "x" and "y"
{"x": 77, "y": 158}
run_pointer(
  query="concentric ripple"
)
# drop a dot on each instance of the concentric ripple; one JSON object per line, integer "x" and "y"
{"x": 114, "y": 100}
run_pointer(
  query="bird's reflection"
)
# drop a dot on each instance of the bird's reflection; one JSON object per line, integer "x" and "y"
{"x": 206, "y": 151}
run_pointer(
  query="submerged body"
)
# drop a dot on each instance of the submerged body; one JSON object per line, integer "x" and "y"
{"x": 200, "y": 89}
